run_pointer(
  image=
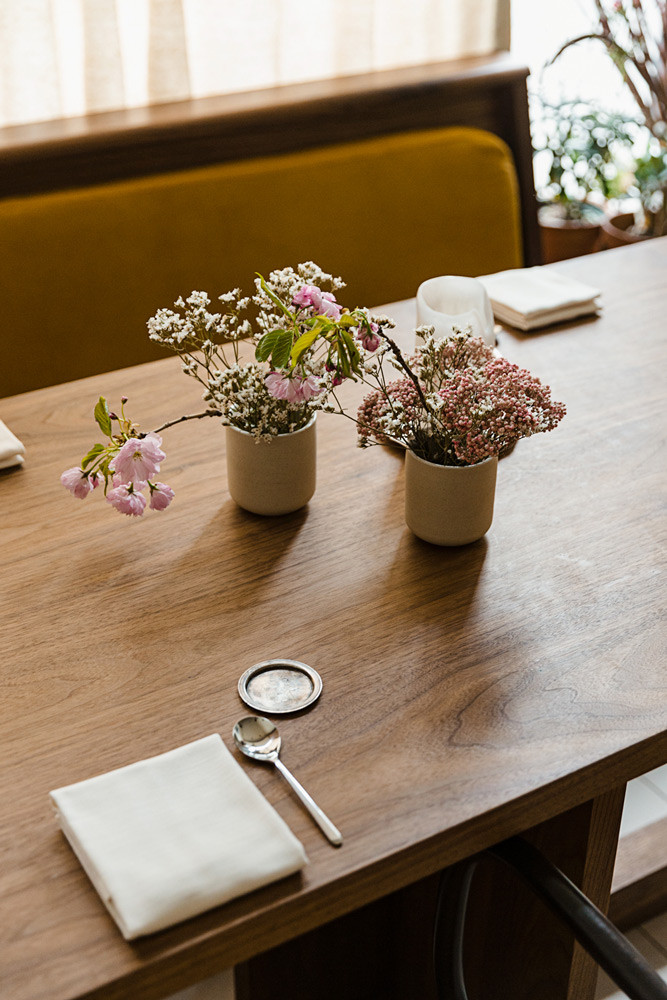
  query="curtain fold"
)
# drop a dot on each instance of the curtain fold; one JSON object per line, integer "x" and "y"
{"x": 69, "y": 57}
{"x": 104, "y": 85}
{"x": 168, "y": 74}
{"x": 29, "y": 71}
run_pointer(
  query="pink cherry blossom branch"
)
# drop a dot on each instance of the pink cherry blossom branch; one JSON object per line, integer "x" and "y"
{"x": 187, "y": 416}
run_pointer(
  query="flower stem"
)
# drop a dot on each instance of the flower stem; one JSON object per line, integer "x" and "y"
{"x": 187, "y": 416}
{"x": 404, "y": 365}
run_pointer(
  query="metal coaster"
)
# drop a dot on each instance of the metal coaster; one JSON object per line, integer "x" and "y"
{"x": 280, "y": 686}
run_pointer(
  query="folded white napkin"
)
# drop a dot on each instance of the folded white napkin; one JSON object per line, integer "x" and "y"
{"x": 172, "y": 836}
{"x": 11, "y": 449}
{"x": 532, "y": 297}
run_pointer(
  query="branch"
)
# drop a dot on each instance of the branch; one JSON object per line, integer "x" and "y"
{"x": 404, "y": 365}
{"x": 188, "y": 416}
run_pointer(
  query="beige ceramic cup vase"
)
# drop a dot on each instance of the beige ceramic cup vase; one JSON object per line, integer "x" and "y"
{"x": 275, "y": 477}
{"x": 449, "y": 504}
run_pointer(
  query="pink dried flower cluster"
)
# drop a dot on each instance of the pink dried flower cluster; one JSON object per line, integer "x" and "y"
{"x": 458, "y": 403}
{"x": 385, "y": 411}
{"x": 485, "y": 412}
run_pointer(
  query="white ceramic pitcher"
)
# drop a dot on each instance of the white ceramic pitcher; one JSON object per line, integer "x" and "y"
{"x": 454, "y": 301}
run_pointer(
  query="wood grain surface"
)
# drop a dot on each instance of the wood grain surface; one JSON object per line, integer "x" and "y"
{"x": 468, "y": 694}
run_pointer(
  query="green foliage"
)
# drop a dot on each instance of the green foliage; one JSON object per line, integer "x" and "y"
{"x": 276, "y": 346}
{"x": 94, "y": 453}
{"x": 277, "y": 301}
{"x": 650, "y": 182}
{"x": 349, "y": 356}
{"x": 305, "y": 341}
{"x": 583, "y": 146}
{"x": 102, "y": 417}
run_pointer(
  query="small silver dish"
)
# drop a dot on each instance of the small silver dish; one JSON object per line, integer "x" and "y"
{"x": 280, "y": 686}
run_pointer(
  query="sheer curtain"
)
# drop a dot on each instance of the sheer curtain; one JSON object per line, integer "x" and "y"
{"x": 69, "y": 57}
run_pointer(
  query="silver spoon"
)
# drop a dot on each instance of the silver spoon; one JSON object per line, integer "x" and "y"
{"x": 258, "y": 738}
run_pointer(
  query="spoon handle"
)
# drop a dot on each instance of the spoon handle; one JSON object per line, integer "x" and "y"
{"x": 331, "y": 832}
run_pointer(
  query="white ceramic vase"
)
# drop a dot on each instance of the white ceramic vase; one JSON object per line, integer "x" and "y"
{"x": 272, "y": 477}
{"x": 449, "y": 504}
{"x": 454, "y": 301}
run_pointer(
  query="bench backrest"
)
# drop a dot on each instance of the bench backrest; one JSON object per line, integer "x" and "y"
{"x": 82, "y": 270}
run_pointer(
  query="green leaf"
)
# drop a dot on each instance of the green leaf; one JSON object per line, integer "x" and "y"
{"x": 102, "y": 417}
{"x": 276, "y": 345}
{"x": 343, "y": 365}
{"x": 305, "y": 341}
{"x": 352, "y": 349}
{"x": 96, "y": 450}
{"x": 274, "y": 298}
{"x": 265, "y": 346}
{"x": 106, "y": 472}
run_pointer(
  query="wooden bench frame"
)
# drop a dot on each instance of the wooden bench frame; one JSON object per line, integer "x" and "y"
{"x": 485, "y": 92}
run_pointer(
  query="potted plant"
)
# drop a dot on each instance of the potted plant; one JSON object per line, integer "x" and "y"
{"x": 634, "y": 34}
{"x": 268, "y": 409}
{"x": 454, "y": 407}
{"x": 578, "y": 150}
{"x": 648, "y": 187}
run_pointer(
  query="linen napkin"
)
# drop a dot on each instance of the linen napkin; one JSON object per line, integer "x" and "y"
{"x": 172, "y": 836}
{"x": 532, "y": 297}
{"x": 11, "y": 449}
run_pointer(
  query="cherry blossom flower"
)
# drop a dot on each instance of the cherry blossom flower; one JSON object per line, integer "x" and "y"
{"x": 78, "y": 483}
{"x": 369, "y": 338}
{"x": 161, "y": 496}
{"x": 277, "y": 393}
{"x": 322, "y": 303}
{"x": 304, "y": 295}
{"x": 127, "y": 499}
{"x": 139, "y": 459}
{"x": 294, "y": 388}
{"x": 329, "y": 307}
{"x": 337, "y": 378}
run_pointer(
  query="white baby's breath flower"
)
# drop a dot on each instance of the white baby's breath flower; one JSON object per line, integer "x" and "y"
{"x": 207, "y": 343}
{"x": 382, "y": 320}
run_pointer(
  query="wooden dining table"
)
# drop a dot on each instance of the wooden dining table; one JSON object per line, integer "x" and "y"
{"x": 512, "y": 686}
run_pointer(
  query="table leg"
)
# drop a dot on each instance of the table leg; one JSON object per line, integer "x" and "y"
{"x": 514, "y": 946}
{"x": 513, "y": 939}
{"x": 382, "y": 950}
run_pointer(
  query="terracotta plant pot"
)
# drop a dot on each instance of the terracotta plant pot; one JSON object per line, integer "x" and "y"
{"x": 563, "y": 238}
{"x": 446, "y": 504}
{"x": 272, "y": 477}
{"x": 616, "y": 231}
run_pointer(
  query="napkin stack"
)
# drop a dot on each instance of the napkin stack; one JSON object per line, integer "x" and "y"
{"x": 11, "y": 449}
{"x": 172, "y": 836}
{"x": 533, "y": 297}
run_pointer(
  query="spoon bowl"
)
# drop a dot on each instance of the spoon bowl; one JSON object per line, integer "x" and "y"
{"x": 258, "y": 738}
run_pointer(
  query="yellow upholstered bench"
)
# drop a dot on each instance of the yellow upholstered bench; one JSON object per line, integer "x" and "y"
{"x": 82, "y": 270}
